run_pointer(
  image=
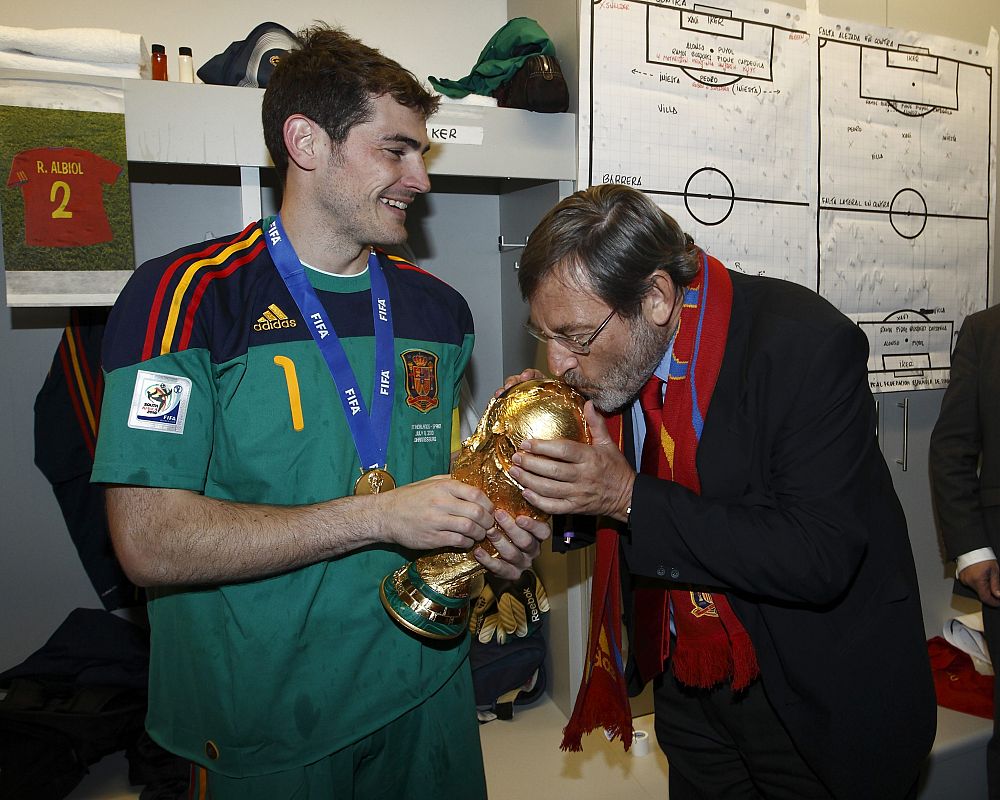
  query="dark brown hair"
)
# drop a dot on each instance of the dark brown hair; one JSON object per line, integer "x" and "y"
{"x": 332, "y": 78}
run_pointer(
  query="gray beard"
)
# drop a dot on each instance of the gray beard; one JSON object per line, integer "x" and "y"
{"x": 621, "y": 384}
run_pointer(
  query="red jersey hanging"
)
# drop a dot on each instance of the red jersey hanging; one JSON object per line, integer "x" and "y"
{"x": 63, "y": 195}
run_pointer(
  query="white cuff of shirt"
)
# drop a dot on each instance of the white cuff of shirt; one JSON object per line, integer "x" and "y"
{"x": 974, "y": 557}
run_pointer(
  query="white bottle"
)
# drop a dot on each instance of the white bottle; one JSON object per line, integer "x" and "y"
{"x": 185, "y": 65}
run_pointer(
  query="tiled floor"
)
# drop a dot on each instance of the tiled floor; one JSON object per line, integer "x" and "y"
{"x": 107, "y": 781}
{"x": 523, "y": 760}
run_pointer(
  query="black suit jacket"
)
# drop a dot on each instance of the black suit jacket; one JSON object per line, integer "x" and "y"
{"x": 799, "y": 524}
{"x": 967, "y": 495}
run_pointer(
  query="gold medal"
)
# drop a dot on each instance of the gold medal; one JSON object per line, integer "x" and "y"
{"x": 374, "y": 481}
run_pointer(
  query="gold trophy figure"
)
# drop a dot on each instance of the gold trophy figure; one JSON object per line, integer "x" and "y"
{"x": 430, "y": 596}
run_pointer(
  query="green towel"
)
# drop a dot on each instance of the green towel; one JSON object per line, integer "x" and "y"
{"x": 503, "y": 55}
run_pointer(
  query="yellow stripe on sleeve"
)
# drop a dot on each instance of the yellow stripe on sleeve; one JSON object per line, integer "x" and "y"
{"x": 84, "y": 397}
{"x": 188, "y": 278}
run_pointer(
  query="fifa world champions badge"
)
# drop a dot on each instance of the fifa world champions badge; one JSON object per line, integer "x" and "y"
{"x": 159, "y": 402}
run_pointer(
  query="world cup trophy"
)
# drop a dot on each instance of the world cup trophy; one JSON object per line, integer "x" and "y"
{"x": 431, "y": 596}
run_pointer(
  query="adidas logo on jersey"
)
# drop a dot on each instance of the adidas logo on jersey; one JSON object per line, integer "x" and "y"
{"x": 273, "y": 318}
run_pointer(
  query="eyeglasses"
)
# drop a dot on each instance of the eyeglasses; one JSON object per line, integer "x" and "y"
{"x": 575, "y": 344}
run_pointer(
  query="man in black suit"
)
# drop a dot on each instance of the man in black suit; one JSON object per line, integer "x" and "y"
{"x": 965, "y": 479}
{"x": 763, "y": 530}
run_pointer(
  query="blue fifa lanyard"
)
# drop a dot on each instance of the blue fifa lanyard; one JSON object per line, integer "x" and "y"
{"x": 370, "y": 432}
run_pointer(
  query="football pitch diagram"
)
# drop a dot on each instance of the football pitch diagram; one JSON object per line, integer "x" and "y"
{"x": 685, "y": 102}
{"x": 855, "y": 160}
{"x": 905, "y": 197}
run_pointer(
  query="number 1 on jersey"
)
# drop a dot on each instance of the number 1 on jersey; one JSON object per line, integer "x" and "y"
{"x": 292, "y": 383}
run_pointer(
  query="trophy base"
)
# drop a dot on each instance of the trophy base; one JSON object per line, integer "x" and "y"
{"x": 415, "y": 605}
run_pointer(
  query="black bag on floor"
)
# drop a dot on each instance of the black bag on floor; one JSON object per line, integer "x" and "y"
{"x": 78, "y": 698}
{"x": 507, "y": 653}
{"x": 508, "y": 674}
{"x": 52, "y": 730}
{"x": 37, "y": 763}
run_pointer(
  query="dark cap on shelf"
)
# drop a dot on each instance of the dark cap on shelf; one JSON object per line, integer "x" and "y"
{"x": 251, "y": 61}
{"x": 159, "y": 48}
{"x": 184, "y": 51}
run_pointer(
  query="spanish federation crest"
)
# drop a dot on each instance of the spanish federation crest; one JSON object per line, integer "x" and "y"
{"x": 421, "y": 379}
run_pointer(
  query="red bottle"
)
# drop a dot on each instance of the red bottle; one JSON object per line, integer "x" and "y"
{"x": 159, "y": 62}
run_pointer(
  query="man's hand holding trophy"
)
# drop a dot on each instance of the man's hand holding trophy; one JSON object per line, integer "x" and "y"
{"x": 431, "y": 595}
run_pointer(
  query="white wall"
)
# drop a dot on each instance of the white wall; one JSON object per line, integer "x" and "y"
{"x": 442, "y": 38}
{"x": 41, "y": 579}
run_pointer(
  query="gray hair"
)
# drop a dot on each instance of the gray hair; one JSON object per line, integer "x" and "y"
{"x": 612, "y": 239}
